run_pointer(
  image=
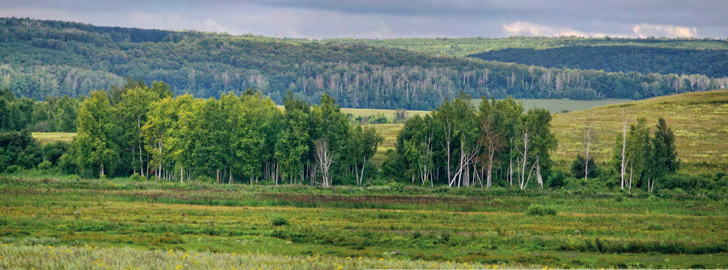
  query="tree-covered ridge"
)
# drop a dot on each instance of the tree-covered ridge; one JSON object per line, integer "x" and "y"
{"x": 47, "y": 58}
{"x": 713, "y": 63}
{"x": 467, "y": 46}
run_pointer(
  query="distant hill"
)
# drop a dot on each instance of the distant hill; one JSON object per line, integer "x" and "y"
{"x": 699, "y": 120}
{"x": 468, "y": 46}
{"x": 713, "y": 63}
{"x": 52, "y": 58}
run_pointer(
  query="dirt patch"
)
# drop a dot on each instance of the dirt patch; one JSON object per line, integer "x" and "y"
{"x": 386, "y": 199}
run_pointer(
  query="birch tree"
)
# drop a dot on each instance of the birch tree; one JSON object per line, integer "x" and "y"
{"x": 325, "y": 158}
{"x": 590, "y": 138}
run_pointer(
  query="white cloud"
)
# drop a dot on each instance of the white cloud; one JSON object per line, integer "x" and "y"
{"x": 531, "y": 29}
{"x": 653, "y": 30}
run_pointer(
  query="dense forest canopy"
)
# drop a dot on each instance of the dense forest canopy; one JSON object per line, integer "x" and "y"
{"x": 50, "y": 58}
{"x": 642, "y": 59}
{"x": 467, "y": 46}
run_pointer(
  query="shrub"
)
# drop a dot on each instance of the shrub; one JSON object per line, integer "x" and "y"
{"x": 45, "y": 165}
{"x": 558, "y": 179}
{"x": 137, "y": 177}
{"x": 278, "y": 221}
{"x": 540, "y": 210}
{"x": 687, "y": 182}
{"x": 13, "y": 169}
{"x": 577, "y": 167}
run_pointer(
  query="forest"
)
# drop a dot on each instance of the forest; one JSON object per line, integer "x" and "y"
{"x": 142, "y": 131}
{"x": 713, "y": 63}
{"x": 40, "y": 59}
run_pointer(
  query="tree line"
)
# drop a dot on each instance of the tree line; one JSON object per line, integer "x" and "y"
{"x": 712, "y": 63}
{"x": 52, "y": 115}
{"x": 460, "y": 145}
{"x": 144, "y": 131}
{"x": 47, "y": 58}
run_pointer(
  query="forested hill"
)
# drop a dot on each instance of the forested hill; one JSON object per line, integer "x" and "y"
{"x": 468, "y": 46}
{"x": 51, "y": 58}
{"x": 642, "y": 59}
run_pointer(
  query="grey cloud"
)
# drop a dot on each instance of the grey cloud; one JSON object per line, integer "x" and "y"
{"x": 388, "y": 18}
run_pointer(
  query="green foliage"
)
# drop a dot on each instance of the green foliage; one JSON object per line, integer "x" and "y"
{"x": 647, "y": 158}
{"x": 278, "y": 221}
{"x": 692, "y": 183}
{"x": 45, "y": 165}
{"x": 20, "y": 149}
{"x": 97, "y": 130}
{"x": 577, "y": 167}
{"x": 712, "y": 63}
{"x": 540, "y": 210}
{"x": 74, "y": 59}
{"x": 13, "y": 169}
{"x": 137, "y": 177}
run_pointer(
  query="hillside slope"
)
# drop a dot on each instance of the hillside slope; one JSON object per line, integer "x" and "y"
{"x": 467, "y": 46}
{"x": 699, "y": 120}
{"x": 51, "y": 58}
{"x": 641, "y": 59}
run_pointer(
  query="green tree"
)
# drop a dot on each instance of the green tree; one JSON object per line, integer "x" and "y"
{"x": 96, "y": 132}
{"x": 292, "y": 149}
{"x": 664, "y": 155}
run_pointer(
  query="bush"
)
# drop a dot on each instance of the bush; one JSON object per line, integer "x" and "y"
{"x": 540, "y": 210}
{"x": 13, "y": 169}
{"x": 278, "y": 221}
{"x": 558, "y": 179}
{"x": 137, "y": 177}
{"x": 45, "y": 165}
{"x": 577, "y": 167}
{"x": 686, "y": 182}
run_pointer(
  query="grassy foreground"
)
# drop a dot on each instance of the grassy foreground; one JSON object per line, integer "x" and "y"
{"x": 387, "y": 226}
{"x": 91, "y": 257}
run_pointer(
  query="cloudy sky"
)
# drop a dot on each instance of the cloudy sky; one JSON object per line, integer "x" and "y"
{"x": 395, "y": 18}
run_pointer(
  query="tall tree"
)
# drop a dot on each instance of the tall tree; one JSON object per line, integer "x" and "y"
{"x": 664, "y": 154}
{"x": 96, "y": 132}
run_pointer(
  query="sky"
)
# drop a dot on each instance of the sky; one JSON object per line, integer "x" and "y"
{"x": 318, "y": 19}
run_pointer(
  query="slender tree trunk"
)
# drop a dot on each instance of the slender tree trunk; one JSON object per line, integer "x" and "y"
{"x": 181, "y": 175}
{"x": 101, "y": 170}
{"x": 624, "y": 147}
{"x": 489, "y": 181}
{"x": 586, "y": 162}
{"x": 630, "y": 176}
{"x": 526, "y": 140}
{"x": 141, "y": 161}
{"x": 510, "y": 172}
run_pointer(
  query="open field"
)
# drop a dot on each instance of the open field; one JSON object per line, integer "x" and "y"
{"x": 699, "y": 120}
{"x": 561, "y": 105}
{"x": 46, "y": 137}
{"x": 396, "y": 227}
{"x": 389, "y": 113}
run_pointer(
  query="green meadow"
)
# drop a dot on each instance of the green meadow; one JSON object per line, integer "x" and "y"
{"x": 92, "y": 224}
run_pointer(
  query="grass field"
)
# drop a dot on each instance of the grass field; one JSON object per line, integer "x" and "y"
{"x": 46, "y": 137}
{"x": 564, "y": 105}
{"x": 699, "y": 120}
{"x": 86, "y": 223}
